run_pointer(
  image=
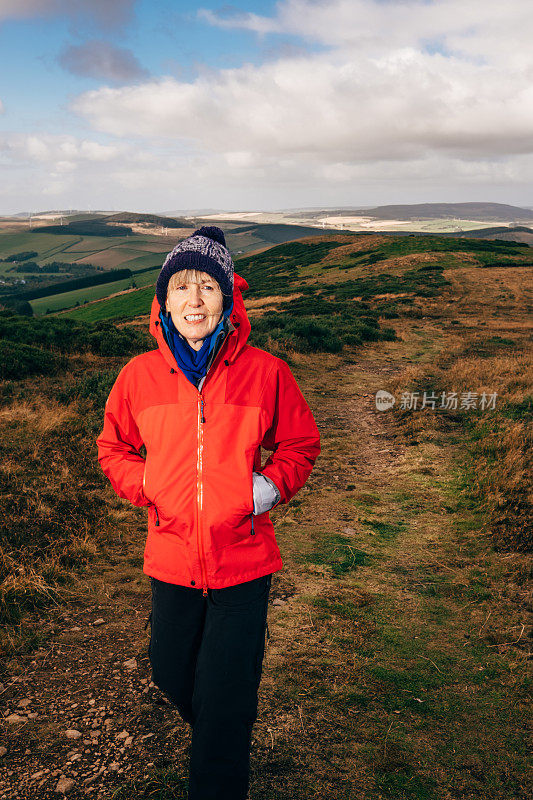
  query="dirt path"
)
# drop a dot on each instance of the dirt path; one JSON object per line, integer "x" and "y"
{"x": 395, "y": 663}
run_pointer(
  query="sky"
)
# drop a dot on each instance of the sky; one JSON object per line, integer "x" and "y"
{"x": 162, "y": 106}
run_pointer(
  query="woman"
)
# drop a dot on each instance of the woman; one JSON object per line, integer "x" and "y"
{"x": 203, "y": 404}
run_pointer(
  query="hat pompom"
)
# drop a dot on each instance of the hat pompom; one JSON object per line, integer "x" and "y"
{"x": 211, "y": 232}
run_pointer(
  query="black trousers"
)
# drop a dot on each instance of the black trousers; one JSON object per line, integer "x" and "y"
{"x": 206, "y": 655}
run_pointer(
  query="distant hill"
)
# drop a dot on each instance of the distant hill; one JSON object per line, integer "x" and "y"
{"x": 515, "y": 233}
{"x": 51, "y": 212}
{"x": 518, "y": 233}
{"x": 474, "y": 211}
{"x": 252, "y": 236}
{"x": 152, "y": 219}
{"x": 85, "y": 228}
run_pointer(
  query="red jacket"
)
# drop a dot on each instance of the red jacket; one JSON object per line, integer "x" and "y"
{"x": 202, "y": 448}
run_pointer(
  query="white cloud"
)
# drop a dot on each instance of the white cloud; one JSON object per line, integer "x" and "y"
{"x": 474, "y": 27}
{"x": 325, "y": 107}
{"x": 432, "y": 90}
{"x": 51, "y": 149}
{"x": 239, "y": 159}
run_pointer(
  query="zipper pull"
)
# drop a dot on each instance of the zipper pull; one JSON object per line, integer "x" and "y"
{"x": 253, "y": 532}
{"x": 202, "y": 407}
{"x": 205, "y": 591}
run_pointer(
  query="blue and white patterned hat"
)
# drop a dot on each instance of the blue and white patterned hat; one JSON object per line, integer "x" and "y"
{"x": 206, "y": 251}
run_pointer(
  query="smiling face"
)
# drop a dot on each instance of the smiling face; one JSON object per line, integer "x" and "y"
{"x": 195, "y": 303}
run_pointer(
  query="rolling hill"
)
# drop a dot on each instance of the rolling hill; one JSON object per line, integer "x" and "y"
{"x": 138, "y": 252}
{"x": 382, "y": 270}
{"x": 484, "y": 212}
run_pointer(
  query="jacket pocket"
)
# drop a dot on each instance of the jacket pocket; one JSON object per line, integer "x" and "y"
{"x": 251, "y": 490}
{"x": 155, "y": 514}
{"x": 250, "y": 514}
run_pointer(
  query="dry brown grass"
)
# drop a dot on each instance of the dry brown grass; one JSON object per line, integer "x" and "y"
{"x": 500, "y": 440}
{"x": 41, "y": 414}
{"x": 510, "y": 376}
{"x": 261, "y": 302}
{"x": 52, "y": 517}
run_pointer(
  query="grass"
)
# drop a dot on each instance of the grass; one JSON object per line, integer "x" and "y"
{"x": 58, "y": 302}
{"x": 163, "y": 783}
{"x": 78, "y": 297}
{"x": 337, "y": 553}
{"x": 57, "y": 511}
{"x": 498, "y": 465}
{"x": 133, "y": 304}
{"x": 384, "y": 530}
{"x": 59, "y": 335}
{"x": 397, "y": 666}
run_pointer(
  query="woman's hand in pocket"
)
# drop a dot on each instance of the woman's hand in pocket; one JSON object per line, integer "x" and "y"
{"x": 266, "y": 494}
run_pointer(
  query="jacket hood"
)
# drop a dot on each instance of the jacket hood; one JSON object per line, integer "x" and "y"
{"x": 235, "y": 340}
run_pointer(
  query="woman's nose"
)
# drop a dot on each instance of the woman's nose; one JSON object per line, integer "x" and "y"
{"x": 195, "y": 297}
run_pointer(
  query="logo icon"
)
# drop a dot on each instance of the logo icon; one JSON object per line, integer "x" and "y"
{"x": 384, "y": 400}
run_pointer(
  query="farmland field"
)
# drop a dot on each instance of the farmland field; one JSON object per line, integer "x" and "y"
{"x": 124, "y": 306}
{"x": 57, "y": 302}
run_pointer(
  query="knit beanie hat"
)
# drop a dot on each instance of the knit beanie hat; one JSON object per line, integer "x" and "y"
{"x": 206, "y": 251}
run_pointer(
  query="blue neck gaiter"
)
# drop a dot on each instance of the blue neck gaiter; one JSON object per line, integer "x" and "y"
{"x": 193, "y": 363}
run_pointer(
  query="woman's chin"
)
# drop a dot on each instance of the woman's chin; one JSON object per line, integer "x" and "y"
{"x": 196, "y": 332}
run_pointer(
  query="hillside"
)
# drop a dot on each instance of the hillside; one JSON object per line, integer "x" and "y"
{"x": 384, "y": 273}
{"x": 518, "y": 233}
{"x": 432, "y": 218}
{"x": 143, "y": 250}
{"x": 128, "y": 217}
{"x": 484, "y": 212}
{"x": 400, "y": 625}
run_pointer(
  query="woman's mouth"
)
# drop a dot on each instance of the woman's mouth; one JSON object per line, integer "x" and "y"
{"x": 194, "y": 318}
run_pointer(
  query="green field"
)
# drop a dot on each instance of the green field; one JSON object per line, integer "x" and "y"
{"x": 46, "y": 246}
{"x": 141, "y": 262}
{"x": 134, "y": 252}
{"x": 58, "y": 302}
{"x": 125, "y": 306}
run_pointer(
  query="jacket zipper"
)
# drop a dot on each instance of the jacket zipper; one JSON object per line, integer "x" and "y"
{"x": 200, "y": 489}
{"x": 199, "y": 468}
